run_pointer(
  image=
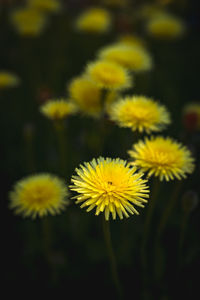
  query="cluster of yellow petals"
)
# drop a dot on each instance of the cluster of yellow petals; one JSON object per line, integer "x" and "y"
{"x": 8, "y": 79}
{"x": 45, "y": 5}
{"x": 110, "y": 186}
{"x": 28, "y": 21}
{"x": 162, "y": 157}
{"x": 94, "y": 20}
{"x": 139, "y": 113}
{"x": 108, "y": 75}
{"x": 132, "y": 57}
{"x": 39, "y": 195}
{"x": 165, "y": 26}
{"x": 58, "y": 109}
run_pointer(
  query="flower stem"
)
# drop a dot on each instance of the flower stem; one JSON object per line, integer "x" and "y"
{"x": 169, "y": 208}
{"x": 113, "y": 265}
{"x": 61, "y": 136}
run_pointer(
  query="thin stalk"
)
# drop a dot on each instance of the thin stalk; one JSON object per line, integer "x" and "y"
{"x": 169, "y": 208}
{"x": 61, "y": 137}
{"x": 111, "y": 255}
{"x": 183, "y": 227}
{"x": 46, "y": 238}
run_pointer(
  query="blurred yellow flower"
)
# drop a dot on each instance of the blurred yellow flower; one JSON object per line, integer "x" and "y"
{"x": 45, "y": 5}
{"x": 131, "y": 40}
{"x": 109, "y": 185}
{"x": 8, "y": 79}
{"x": 162, "y": 157}
{"x": 38, "y": 195}
{"x": 139, "y": 113}
{"x": 28, "y": 21}
{"x": 86, "y": 95}
{"x": 108, "y": 75}
{"x": 131, "y": 57}
{"x": 94, "y": 20}
{"x": 165, "y": 27}
{"x": 58, "y": 109}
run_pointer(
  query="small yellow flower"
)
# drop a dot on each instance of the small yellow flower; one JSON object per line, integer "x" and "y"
{"x": 39, "y": 195}
{"x": 108, "y": 75}
{"x": 139, "y": 113}
{"x": 45, "y": 5}
{"x": 132, "y": 57}
{"x": 28, "y": 21}
{"x": 58, "y": 109}
{"x": 86, "y": 95}
{"x": 163, "y": 158}
{"x": 165, "y": 27}
{"x": 109, "y": 185}
{"x": 131, "y": 40}
{"x": 94, "y": 20}
{"x": 8, "y": 80}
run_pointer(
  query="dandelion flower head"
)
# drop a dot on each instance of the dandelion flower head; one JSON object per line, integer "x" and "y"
{"x": 94, "y": 20}
{"x": 39, "y": 195}
{"x": 162, "y": 157}
{"x": 28, "y": 21}
{"x": 131, "y": 57}
{"x": 108, "y": 75}
{"x": 165, "y": 26}
{"x": 8, "y": 79}
{"x": 58, "y": 109}
{"x": 45, "y": 5}
{"x": 86, "y": 95}
{"x": 110, "y": 186}
{"x": 139, "y": 113}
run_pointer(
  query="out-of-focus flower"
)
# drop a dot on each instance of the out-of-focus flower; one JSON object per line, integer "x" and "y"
{"x": 86, "y": 95}
{"x": 45, "y": 5}
{"x": 110, "y": 186}
{"x": 28, "y": 21}
{"x": 132, "y": 57}
{"x": 8, "y": 79}
{"x": 191, "y": 116}
{"x": 139, "y": 113}
{"x": 116, "y": 3}
{"x": 58, "y": 109}
{"x": 39, "y": 195}
{"x": 108, "y": 75}
{"x": 94, "y": 20}
{"x": 131, "y": 40}
{"x": 89, "y": 97}
{"x": 165, "y": 27}
{"x": 162, "y": 157}
{"x": 190, "y": 201}
{"x": 148, "y": 11}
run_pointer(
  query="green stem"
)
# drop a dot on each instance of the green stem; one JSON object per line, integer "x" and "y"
{"x": 113, "y": 265}
{"x": 46, "y": 238}
{"x": 169, "y": 208}
{"x": 184, "y": 222}
{"x": 152, "y": 203}
{"x": 61, "y": 136}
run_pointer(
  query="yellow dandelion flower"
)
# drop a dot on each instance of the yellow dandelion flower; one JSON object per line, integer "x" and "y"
{"x": 45, "y": 5}
{"x": 132, "y": 57}
{"x": 165, "y": 27}
{"x": 8, "y": 79}
{"x": 163, "y": 158}
{"x": 58, "y": 109}
{"x": 39, "y": 195}
{"x": 108, "y": 75}
{"x": 86, "y": 95}
{"x": 109, "y": 185}
{"x": 28, "y": 21}
{"x": 139, "y": 113}
{"x": 131, "y": 40}
{"x": 94, "y": 20}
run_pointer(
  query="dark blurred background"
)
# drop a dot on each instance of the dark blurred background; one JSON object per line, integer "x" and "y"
{"x": 77, "y": 262}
